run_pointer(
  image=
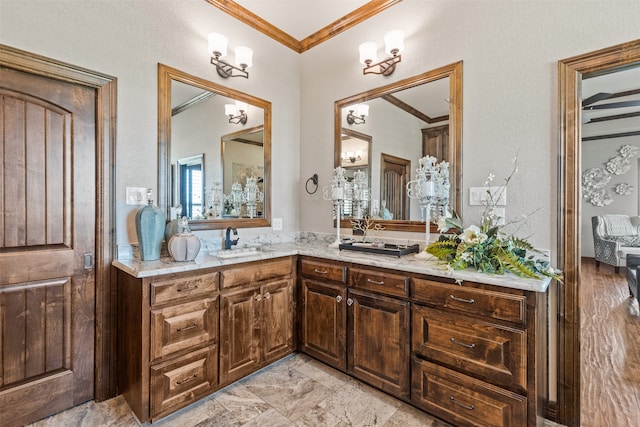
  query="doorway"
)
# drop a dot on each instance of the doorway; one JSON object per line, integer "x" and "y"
{"x": 571, "y": 72}
{"x": 394, "y": 175}
{"x": 57, "y": 306}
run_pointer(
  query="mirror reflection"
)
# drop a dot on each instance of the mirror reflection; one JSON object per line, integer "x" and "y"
{"x": 384, "y": 132}
{"x": 214, "y": 146}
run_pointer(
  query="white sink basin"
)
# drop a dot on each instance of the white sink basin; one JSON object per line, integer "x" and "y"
{"x": 236, "y": 253}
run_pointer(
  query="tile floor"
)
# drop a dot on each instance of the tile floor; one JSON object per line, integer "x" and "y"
{"x": 295, "y": 391}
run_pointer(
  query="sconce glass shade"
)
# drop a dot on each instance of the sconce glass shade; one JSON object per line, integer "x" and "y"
{"x": 244, "y": 57}
{"x": 362, "y": 110}
{"x": 394, "y": 42}
{"x": 218, "y": 44}
{"x": 230, "y": 109}
{"x": 368, "y": 52}
{"x": 241, "y": 106}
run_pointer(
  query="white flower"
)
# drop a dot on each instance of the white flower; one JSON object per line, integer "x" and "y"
{"x": 473, "y": 236}
{"x": 466, "y": 256}
{"x": 442, "y": 224}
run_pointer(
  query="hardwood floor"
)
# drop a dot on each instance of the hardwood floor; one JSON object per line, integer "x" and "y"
{"x": 610, "y": 349}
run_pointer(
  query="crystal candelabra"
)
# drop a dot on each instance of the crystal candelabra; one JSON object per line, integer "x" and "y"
{"x": 337, "y": 193}
{"x": 431, "y": 189}
{"x": 235, "y": 198}
{"x": 251, "y": 196}
{"x": 361, "y": 194}
{"x": 215, "y": 201}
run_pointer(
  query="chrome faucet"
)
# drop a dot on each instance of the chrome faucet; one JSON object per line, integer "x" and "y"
{"x": 227, "y": 240}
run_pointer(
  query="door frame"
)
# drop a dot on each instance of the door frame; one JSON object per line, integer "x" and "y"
{"x": 105, "y": 87}
{"x": 570, "y": 73}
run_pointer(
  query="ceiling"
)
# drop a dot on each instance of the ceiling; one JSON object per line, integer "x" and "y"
{"x": 290, "y": 21}
{"x": 301, "y": 18}
{"x": 622, "y": 85}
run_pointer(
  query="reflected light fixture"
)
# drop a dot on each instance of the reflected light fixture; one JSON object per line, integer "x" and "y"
{"x": 394, "y": 44}
{"x": 357, "y": 113}
{"x": 244, "y": 57}
{"x": 352, "y": 156}
{"x": 237, "y": 112}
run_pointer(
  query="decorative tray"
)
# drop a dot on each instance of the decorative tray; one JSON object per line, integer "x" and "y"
{"x": 387, "y": 249}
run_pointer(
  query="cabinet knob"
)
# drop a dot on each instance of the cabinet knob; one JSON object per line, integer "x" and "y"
{"x": 375, "y": 282}
{"x": 349, "y": 301}
{"x": 267, "y": 295}
{"x": 258, "y": 297}
{"x": 472, "y": 345}
{"x": 315, "y": 270}
{"x": 462, "y": 405}
{"x": 468, "y": 301}
{"x": 339, "y": 298}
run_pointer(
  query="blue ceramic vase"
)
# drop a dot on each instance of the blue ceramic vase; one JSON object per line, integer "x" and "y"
{"x": 150, "y": 230}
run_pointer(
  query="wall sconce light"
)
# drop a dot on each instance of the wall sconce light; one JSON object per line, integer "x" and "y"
{"x": 236, "y": 112}
{"x": 244, "y": 57}
{"x": 394, "y": 44}
{"x": 352, "y": 156}
{"x": 357, "y": 113}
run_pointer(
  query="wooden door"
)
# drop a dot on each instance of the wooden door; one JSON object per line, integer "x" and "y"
{"x": 277, "y": 320}
{"x": 47, "y": 245}
{"x": 324, "y": 322}
{"x": 394, "y": 175}
{"x": 239, "y": 333}
{"x": 379, "y": 341}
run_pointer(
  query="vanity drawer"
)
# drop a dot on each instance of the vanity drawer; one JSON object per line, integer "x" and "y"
{"x": 324, "y": 271}
{"x": 464, "y": 401}
{"x": 256, "y": 272}
{"x": 163, "y": 291}
{"x": 380, "y": 282}
{"x": 180, "y": 382}
{"x": 494, "y": 353}
{"x": 179, "y": 327}
{"x": 475, "y": 301}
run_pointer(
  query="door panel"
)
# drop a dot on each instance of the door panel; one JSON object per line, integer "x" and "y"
{"x": 394, "y": 176}
{"x": 277, "y": 319}
{"x": 47, "y": 226}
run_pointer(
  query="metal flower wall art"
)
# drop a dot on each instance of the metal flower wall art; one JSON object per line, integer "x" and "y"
{"x": 595, "y": 180}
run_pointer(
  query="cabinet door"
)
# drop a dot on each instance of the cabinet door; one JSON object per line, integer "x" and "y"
{"x": 277, "y": 319}
{"x": 324, "y": 322}
{"x": 239, "y": 333}
{"x": 379, "y": 341}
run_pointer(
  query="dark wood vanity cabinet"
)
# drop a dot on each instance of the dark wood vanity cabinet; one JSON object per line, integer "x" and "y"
{"x": 474, "y": 358}
{"x": 470, "y": 353}
{"x": 167, "y": 340}
{"x": 357, "y": 328}
{"x": 257, "y": 315}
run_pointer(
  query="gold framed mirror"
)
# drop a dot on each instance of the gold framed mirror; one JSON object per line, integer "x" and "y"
{"x": 193, "y": 125}
{"x": 438, "y": 135}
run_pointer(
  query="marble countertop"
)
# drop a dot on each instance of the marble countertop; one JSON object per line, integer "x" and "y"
{"x": 319, "y": 248}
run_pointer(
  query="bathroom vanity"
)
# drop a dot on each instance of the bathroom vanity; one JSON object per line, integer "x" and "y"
{"x": 468, "y": 348}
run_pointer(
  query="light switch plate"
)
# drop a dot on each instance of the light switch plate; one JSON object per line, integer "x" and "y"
{"x": 136, "y": 196}
{"x": 478, "y": 195}
{"x": 277, "y": 224}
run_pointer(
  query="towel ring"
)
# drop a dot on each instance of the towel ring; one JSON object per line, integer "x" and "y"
{"x": 314, "y": 180}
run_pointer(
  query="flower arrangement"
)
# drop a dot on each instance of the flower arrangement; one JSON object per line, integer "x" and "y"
{"x": 488, "y": 247}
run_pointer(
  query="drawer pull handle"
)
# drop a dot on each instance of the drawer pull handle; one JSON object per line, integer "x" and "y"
{"x": 187, "y": 288}
{"x": 469, "y": 407}
{"x": 349, "y": 301}
{"x": 375, "y": 282}
{"x": 186, "y": 380}
{"x": 468, "y": 301}
{"x": 258, "y": 297}
{"x": 315, "y": 270}
{"x": 472, "y": 345}
{"x": 186, "y": 328}
{"x": 267, "y": 295}
{"x": 339, "y": 298}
